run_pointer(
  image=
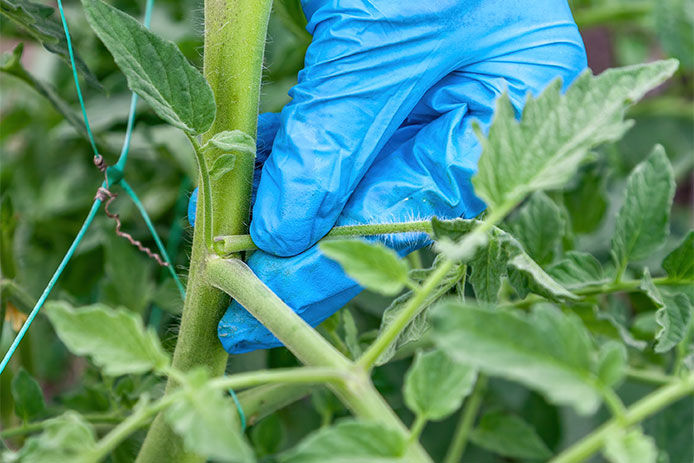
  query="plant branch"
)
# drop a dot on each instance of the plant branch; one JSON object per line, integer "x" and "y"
{"x": 207, "y": 224}
{"x": 392, "y": 331}
{"x": 238, "y": 280}
{"x": 467, "y": 419}
{"x": 358, "y": 393}
{"x": 237, "y": 243}
{"x": 652, "y": 403}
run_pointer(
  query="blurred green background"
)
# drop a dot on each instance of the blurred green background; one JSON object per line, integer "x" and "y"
{"x": 47, "y": 183}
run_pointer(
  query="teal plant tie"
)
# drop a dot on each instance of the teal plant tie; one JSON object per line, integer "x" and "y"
{"x": 70, "y": 252}
{"x": 157, "y": 240}
{"x": 76, "y": 79}
{"x": 242, "y": 416}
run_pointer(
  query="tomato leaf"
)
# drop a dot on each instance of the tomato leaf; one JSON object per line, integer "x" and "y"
{"x": 155, "y": 68}
{"x": 222, "y": 166}
{"x": 546, "y": 350}
{"x": 349, "y": 440}
{"x": 538, "y": 226}
{"x": 373, "y": 266}
{"x": 509, "y": 436}
{"x": 116, "y": 340}
{"x": 642, "y": 222}
{"x": 205, "y": 419}
{"x": 556, "y": 131}
{"x": 679, "y": 264}
{"x": 673, "y": 315}
{"x": 630, "y": 446}
{"x": 39, "y": 22}
{"x": 28, "y": 397}
{"x": 435, "y": 385}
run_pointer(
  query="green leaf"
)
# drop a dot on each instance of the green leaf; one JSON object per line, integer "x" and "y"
{"x": 205, "y": 419}
{"x": 630, "y": 446}
{"x": 547, "y": 350}
{"x": 435, "y": 385}
{"x": 39, "y": 22}
{"x": 674, "y": 22}
{"x": 349, "y": 441}
{"x": 64, "y": 439}
{"x": 27, "y": 395}
{"x": 373, "y": 266}
{"x": 642, "y": 222}
{"x": 232, "y": 141}
{"x": 612, "y": 363}
{"x": 587, "y": 202}
{"x": 222, "y": 166}
{"x": 673, "y": 315}
{"x": 509, "y": 436}
{"x": 556, "y": 131}
{"x": 501, "y": 254}
{"x": 488, "y": 263}
{"x": 679, "y": 264}
{"x": 116, "y": 340}
{"x": 267, "y": 436}
{"x": 489, "y": 267}
{"x": 538, "y": 225}
{"x": 155, "y": 68}
{"x": 419, "y": 324}
{"x": 351, "y": 333}
{"x": 577, "y": 269}
{"x": 526, "y": 276}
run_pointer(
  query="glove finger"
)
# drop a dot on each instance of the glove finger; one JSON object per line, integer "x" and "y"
{"x": 363, "y": 76}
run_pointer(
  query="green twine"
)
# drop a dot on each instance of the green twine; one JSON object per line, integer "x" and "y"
{"x": 25, "y": 327}
{"x": 74, "y": 76}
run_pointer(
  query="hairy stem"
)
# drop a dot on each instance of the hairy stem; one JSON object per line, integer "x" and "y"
{"x": 235, "y": 33}
{"x": 237, "y": 243}
{"x": 358, "y": 393}
{"x": 467, "y": 419}
{"x": 652, "y": 403}
{"x": 388, "y": 336}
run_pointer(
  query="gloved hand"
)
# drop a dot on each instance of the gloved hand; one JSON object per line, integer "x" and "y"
{"x": 379, "y": 130}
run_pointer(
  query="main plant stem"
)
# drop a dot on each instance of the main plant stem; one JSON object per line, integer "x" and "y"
{"x": 235, "y": 33}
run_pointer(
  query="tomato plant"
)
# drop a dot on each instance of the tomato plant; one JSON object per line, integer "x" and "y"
{"x": 554, "y": 327}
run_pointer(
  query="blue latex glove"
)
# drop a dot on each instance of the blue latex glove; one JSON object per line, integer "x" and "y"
{"x": 379, "y": 130}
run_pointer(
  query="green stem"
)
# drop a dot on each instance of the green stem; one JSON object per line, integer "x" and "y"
{"x": 649, "y": 376}
{"x": 467, "y": 419}
{"x": 302, "y": 375}
{"x": 417, "y": 427}
{"x": 652, "y": 403}
{"x": 392, "y": 331}
{"x": 237, "y": 279}
{"x": 261, "y": 401}
{"x": 237, "y": 243}
{"x": 140, "y": 418}
{"x": 614, "y": 403}
{"x": 207, "y": 224}
{"x": 235, "y": 33}
{"x": 358, "y": 393}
